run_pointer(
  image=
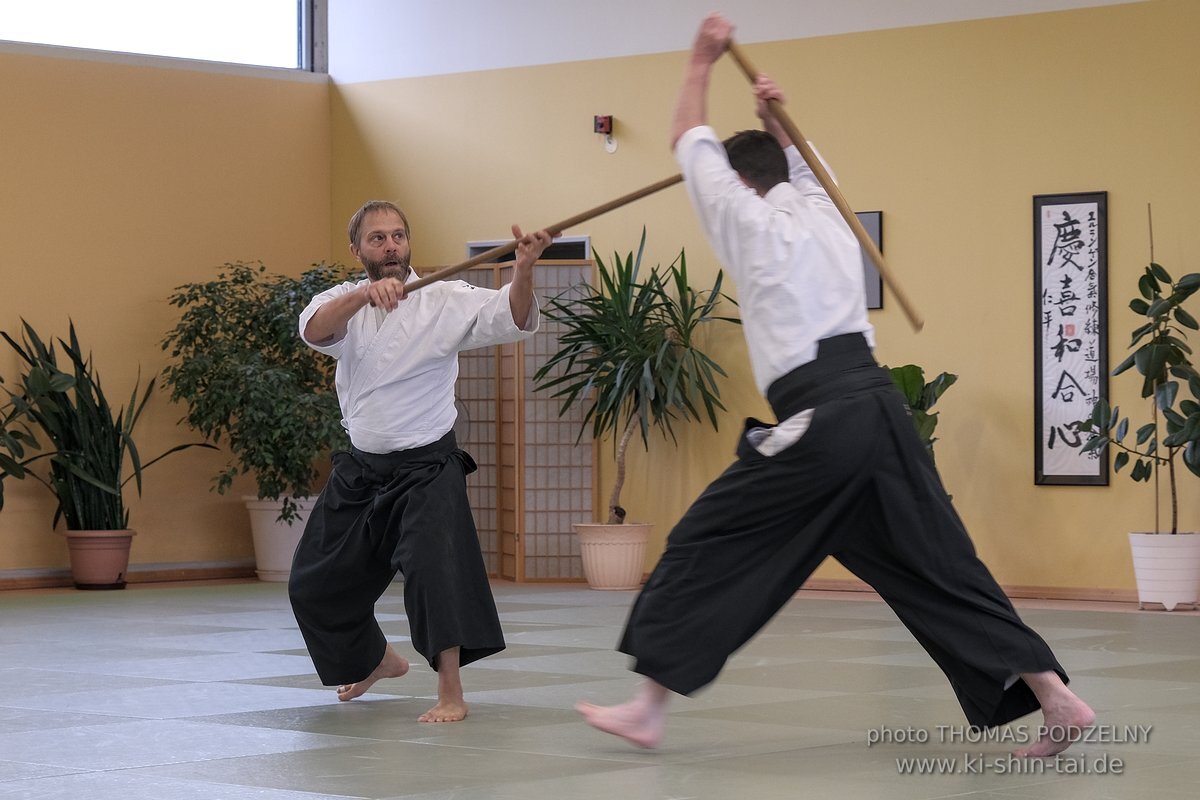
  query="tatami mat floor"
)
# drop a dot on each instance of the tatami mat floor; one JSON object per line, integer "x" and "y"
{"x": 205, "y": 692}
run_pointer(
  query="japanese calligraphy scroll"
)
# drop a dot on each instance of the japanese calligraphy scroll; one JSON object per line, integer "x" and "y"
{"x": 1070, "y": 272}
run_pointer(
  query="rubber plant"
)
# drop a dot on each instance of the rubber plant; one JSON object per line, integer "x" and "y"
{"x": 1162, "y": 356}
{"x": 921, "y": 397}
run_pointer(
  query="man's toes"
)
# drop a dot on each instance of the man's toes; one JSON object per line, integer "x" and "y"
{"x": 352, "y": 690}
{"x": 439, "y": 714}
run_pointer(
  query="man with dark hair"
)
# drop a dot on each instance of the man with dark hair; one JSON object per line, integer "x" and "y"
{"x": 397, "y": 501}
{"x": 758, "y": 159}
{"x": 842, "y": 473}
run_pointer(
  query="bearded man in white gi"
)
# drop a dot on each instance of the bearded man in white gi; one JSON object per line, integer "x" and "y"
{"x": 397, "y": 501}
{"x": 841, "y": 474}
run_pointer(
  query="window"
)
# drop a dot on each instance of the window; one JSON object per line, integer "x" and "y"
{"x": 269, "y": 33}
{"x": 566, "y": 248}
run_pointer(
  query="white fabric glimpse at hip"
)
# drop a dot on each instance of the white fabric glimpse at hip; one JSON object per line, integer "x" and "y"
{"x": 777, "y": 438}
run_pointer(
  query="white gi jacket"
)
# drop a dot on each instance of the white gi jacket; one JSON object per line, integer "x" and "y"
{"x": 796, "y": 263}
{"x": 395, "y": 380}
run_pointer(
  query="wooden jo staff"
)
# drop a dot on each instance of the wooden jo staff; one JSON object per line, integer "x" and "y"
{"x": 835, "y": 194}
{"x": 554, "y": 230}
{"x": 806, "y": 152}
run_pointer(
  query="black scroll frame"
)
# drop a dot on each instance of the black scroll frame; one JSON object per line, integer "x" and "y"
{"x": 872, "y": 222}
{"x": 1070, "y": 334}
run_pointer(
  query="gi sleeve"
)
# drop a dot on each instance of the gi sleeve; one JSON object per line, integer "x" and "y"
{"x": 333, "y": 348}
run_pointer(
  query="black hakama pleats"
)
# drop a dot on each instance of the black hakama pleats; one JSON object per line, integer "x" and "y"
{"x": 858, "y": 486}
{"x": 379, "y": 514}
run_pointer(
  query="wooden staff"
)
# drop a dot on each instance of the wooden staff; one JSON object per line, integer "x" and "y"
{"x": 835, "y": 194}
{"x": 554, "y": 230}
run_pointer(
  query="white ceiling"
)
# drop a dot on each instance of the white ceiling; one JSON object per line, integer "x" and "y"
{"x": 383, "y": 39}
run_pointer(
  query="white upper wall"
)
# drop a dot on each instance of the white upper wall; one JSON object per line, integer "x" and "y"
{"x": 382, "y": 39}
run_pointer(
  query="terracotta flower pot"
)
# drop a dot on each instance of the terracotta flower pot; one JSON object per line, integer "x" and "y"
{"x": 613, "y": 555}
{"x": 99, "y": 559}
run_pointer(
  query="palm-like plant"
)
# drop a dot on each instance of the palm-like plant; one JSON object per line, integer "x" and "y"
{"x": 1162, "y": 356}
{"x": 15, "y": 434}
{"x": 90, "y": 443}
{"x": 629, "y": 350}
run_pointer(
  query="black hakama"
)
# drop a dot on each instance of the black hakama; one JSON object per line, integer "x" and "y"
{"x": 379, "y": 514}
{"x": 859, "y": 486}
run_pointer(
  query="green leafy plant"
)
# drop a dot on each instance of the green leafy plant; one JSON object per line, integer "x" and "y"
{"x": 91, "y": 444}
{"x": 15, "y": 436}
{"x": 1163, "y": 358}
{"x": 921, "y": 397}
{"x": 250, "y": 382}
{"x": 15, "y": 433}
{"x": 630, "y": 352}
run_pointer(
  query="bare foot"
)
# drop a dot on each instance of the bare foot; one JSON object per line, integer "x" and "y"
{"x": 392, "y": 666}
{"x": 637, "y": 722}
{"x": 445, "y": 711}
{"x": 1061, "y": 728}
{"x": 450, "y": 705}
{"x": 1064, "y": 718}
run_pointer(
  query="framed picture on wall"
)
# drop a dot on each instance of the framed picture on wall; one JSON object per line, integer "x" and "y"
{"x": 872, "y": 222}
{"x": 1070, "y": 322}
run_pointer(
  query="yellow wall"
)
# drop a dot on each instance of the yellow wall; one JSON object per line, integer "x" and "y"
{"x": 124, "y": 179}
{"x": 949, "y": 129}
{"x": 121, "y": 179}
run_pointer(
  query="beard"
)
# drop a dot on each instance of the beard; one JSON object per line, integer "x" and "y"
{"x": 392, "y": 267}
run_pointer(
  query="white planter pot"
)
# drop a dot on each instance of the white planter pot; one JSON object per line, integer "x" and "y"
{"x": 1167, "y": 568}
{"x": 274, "y": 541}
{"x": 613, "y": 556}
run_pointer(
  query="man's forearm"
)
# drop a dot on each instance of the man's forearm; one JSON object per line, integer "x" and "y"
{"x": 691, "y": 107}
{"x": 520, "y": 296}
{"x": 328, "y": 324}
{"x": 772, "y": 126}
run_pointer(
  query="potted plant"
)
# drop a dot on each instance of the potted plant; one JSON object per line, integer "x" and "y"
{"x": 921, "y": 396}
{"x": 630, "y": 351}
{"x": 91, "y": 446}
{"x": 1166, "y": 566}
{"x": 15, "y": 434}
{"x": 251, "y": 384}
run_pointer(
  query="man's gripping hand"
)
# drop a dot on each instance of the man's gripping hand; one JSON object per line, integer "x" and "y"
{"x": 712, "y": 39}
{"x": 385, "y": 293}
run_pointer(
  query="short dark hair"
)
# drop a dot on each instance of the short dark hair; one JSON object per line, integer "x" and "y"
{"x": 758, "y": 158}
{"x": 356, "y": 221}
